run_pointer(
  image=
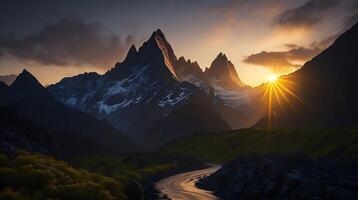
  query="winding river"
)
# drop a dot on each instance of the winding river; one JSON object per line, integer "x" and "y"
{"x": 182, "y": 186}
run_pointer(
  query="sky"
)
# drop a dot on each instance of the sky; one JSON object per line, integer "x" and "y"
{"x": 55, "y": 39}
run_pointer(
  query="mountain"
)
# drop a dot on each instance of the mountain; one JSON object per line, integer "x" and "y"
{"x": 16, "y": 132}
{"x": 8, "y": 79}
{"x": 222, "y": 73}
{"x": 140, "y": 92}
{"x": 75, "y": 132}
{"x": 324, "y": 89}
{"x": 187, "y": 70}
{"x": 198, "y": 116}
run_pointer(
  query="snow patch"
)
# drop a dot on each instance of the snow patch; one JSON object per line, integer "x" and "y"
{"x": 173, "y": 98}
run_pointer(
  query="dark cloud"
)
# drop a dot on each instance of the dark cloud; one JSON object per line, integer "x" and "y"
{"x": 70, "y": 42}
{"x": 281, "y": 61}
{"x": 308, "y": 14}
{"x": 302, "y": 53}
{"x": 270, "y": 59}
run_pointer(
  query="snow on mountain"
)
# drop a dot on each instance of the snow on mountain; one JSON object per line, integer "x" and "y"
{"x": 151, "y": 83}
{"x": 235, "y": 97}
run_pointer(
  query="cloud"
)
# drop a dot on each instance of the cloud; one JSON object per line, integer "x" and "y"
{"x": 70, "y": 42}
{"x": 269, "y": 59}
{"x": 302, "y": 53}
{"x": 283, "y": 61}
{"x": 308, "y": 14}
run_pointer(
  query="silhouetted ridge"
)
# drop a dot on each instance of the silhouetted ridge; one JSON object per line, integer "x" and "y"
{"x": 27, "y": 84}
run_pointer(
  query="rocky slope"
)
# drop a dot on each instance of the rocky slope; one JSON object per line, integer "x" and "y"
{"x": 16, "y": 132}
{"x": 284, "y": 177}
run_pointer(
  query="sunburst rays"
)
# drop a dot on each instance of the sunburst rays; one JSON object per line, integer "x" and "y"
{"x": 278, "y": 92}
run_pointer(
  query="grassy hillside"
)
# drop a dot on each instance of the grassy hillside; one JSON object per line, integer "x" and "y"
{"x": 127, "y": 167}
{"x": 34, "y": 176}
{"x": 221, "y": 147}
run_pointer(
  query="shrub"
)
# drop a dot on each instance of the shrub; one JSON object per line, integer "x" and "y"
{"x": 36, "y": 176}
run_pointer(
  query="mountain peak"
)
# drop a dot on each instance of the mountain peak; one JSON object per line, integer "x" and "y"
{"x": 158, "y": 47}
{"x": 27, "y": 84}
{"x": 221, "y": 57}
{"x": 25, "y": 77}
{"x": 181, "y": 59}
{"x": 223, "y": 72}
{"x": 131, "y": 55}
{"x": 132, "y": 49}
{"x": 158, "y": 33}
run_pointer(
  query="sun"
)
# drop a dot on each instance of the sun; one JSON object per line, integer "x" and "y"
{"x": 272, "y": 78}
{"x": 278, "y": 91}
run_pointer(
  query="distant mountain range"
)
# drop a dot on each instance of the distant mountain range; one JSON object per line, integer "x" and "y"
{"x": 151, "y": 91}
{"x": 73, "y": 131}
{"x": 325, "y": 89}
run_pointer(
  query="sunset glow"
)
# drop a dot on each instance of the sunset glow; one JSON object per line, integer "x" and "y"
{"x": 277, "y": 93}
{"x": 274, "y": 44}
{"x": 272, "y": 78}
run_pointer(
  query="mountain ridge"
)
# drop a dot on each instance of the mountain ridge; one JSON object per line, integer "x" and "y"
{"x": 74, "y": 131}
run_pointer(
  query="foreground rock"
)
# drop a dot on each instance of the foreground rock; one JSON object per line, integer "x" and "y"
{"x": 284, "y": 177}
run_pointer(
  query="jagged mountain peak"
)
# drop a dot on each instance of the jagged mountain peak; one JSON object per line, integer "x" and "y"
{"x": 27, "y": 85}
{"x": 223, "y": 72}
{"x": 132, "y": 50}
{"x": 26, "y": 79}
{"x": 220, "y": 61}
{"x": 157, "y": 51}
{"x": 187, "y": 70}
{"x": 181, "y": 59}
{"x": 221, "y": 56}
{"x": 131, "y": 55}
{"x": 158, "y": 33}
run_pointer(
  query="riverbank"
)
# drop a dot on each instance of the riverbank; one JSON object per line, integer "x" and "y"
{"x": 293, "y": 176}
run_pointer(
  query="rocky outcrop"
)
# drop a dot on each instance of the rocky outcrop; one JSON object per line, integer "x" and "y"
{"x": 284, "y": 177}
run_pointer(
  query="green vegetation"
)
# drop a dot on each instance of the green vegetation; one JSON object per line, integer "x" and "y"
{"x": 125, "y": 168}
{"x": 35, "y": 176}
{"x": 221, "y": 147}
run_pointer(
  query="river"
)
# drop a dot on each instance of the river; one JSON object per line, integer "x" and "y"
{"x": 182, "y": 186}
